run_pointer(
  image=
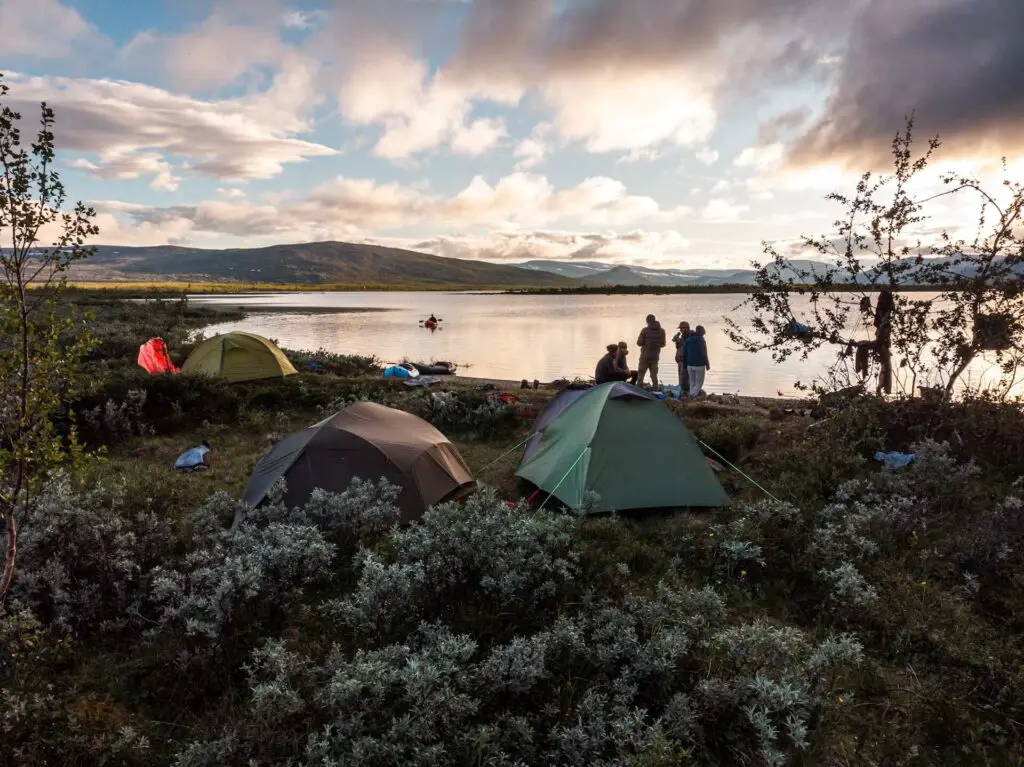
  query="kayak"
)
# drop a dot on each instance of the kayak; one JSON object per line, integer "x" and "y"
{"x": 437, "y": 369}
{"x": 430, "y": 324}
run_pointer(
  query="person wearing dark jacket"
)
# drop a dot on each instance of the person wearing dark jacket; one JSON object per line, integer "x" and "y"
{"x": 651, "y": 341}
{"x": 695, "y": 351}
{"x": 623, "y": 364}
{"x": 607, "y": 368}
{"x": 679, "y": 339}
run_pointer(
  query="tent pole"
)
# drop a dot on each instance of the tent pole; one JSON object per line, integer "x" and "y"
{"x": 578, "y": 459}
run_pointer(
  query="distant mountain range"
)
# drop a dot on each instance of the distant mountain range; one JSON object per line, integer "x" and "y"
{"x": 372, "y": 266}
{"x": 596, "y": 273}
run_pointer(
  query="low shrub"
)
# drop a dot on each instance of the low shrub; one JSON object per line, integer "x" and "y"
{"x": 343, "y": 365}
{"x": 654, "y": 677}
{"x": 470, "y": 414}
{"x": 85, "y": 557}
{"x": 462, "y": 564}
{"x": 139, "y": 402}
{"x": 117, "y": 420}
{"x": 732, "y": 437}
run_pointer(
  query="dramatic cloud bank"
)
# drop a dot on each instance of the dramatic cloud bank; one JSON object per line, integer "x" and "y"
{"x": 639, "y": 131}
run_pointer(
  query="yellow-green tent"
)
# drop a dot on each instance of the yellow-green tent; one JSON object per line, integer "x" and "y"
{"x": 238, "y": 357}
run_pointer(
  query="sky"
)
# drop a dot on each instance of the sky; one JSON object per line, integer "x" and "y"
{"x": 665, "y": 133}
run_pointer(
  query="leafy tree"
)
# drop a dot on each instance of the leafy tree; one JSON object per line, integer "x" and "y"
{"x": 917, "y": 315}
{"x": 41, "y": 342}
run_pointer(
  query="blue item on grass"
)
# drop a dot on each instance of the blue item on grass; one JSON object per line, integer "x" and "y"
{"x": 894, "y": 460}
{"x": 400, "y": 371}
{"x": 191, "y": 458}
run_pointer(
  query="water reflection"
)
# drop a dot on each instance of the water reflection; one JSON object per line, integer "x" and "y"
{"x": 514, "y": 337}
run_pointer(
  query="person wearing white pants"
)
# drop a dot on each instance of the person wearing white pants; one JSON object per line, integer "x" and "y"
{"x": 695, "y": 353}
{"x": 696, "y": 375}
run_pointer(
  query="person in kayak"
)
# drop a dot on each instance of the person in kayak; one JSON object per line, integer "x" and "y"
{"x": 432, "y": 319}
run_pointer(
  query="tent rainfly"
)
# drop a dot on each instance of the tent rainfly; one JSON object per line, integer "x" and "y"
{"x": 623, "y": 444}
{"x": 154, "y": 357}
{"x": 369, "y": 441}
{"x": 238, "y": 357}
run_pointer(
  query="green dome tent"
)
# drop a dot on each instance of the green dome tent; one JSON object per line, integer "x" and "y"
{"x": 238, "y": 357}
{"x": 625, "y": 445}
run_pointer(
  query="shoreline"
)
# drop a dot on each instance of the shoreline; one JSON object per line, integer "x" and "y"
{"x": 247, "y": 309}
{"x": 548, "y": 387}
{"x": 470, "y": 381}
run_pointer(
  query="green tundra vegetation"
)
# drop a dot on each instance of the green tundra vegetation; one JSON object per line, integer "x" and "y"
{"x": 839, "y": 614}
{"x": 863, "y": 617}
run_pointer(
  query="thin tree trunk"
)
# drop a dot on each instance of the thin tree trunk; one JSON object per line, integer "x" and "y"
{"x": 955, "y": 376}
{"x": 11, "y": 553}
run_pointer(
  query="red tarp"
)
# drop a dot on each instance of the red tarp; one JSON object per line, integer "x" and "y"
{"x": 154, "y": 358}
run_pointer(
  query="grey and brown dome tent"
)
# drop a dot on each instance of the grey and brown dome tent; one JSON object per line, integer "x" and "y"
{"x": 369, "y": 441}
{"x": 623, "y": 444}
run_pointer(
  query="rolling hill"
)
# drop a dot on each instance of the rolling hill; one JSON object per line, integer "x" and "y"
{"x": 316, "y": 263}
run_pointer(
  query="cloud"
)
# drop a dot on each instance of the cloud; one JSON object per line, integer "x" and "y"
{"x": 707, "y": 156}
{"x": 301, "y": 20}
{"x": 780, "y": 126}
{"x": 956, "y": 63}
{"x": 124, "y": 165}
{"x": 533, "y": 150}
{"x": 219, "y": 52}
{"x": 479, "y": 136}
{"x": 615, "y": 77}
{"x": 632, "y": 76}
{"x": 345, "y": 207}
{"x": 760, "y": 158}
{"x": 418, "y": 110}
{"x": 722, "y": 210}
{"x": 131, "y": 126}
{"x": 612, "y": 111}
{"x": 534, "y": 37}
{"x": 45, "y": 29}
{"x": 234, "y": 41}
{"x": 626, "y": 247}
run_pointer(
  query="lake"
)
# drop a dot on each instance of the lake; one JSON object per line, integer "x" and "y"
{"x": 512, "y": 337}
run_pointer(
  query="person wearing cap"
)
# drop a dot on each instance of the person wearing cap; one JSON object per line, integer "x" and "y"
{"x": 679, "y": 339}
{"x": 651, "y": 341}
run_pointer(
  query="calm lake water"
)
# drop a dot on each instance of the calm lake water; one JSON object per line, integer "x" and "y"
{"x": 514, "y": 336}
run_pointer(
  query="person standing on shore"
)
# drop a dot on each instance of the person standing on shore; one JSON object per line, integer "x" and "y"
{"x": 679, "y": 339}
{"x": 695, "y": 351}
{"x": 651, "y": 341}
